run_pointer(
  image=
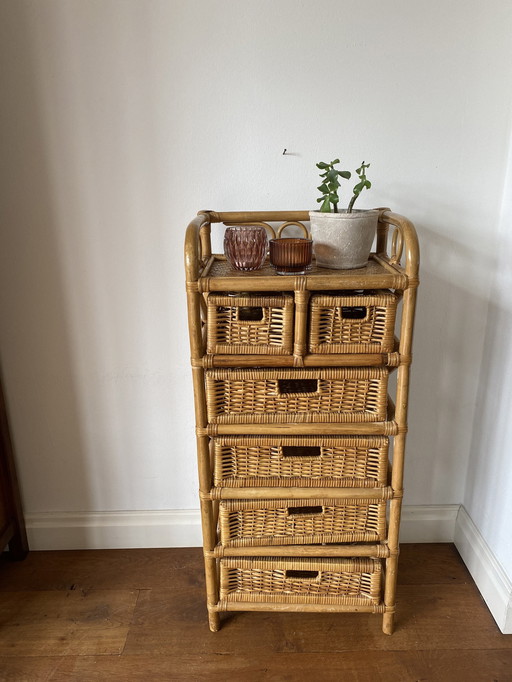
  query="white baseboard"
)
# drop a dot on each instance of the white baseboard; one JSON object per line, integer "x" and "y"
{"x": 490, "y": 578}
{"x": 428, "y": 523}
{"x": 114, "y": 530}
{"x": 182, "y": 528}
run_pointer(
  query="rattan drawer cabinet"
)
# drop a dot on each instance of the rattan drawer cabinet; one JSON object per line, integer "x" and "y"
{"x": 299, "y": 506}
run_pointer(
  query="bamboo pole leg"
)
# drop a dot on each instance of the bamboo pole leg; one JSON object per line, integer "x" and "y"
{"x": 213, "y": 620}
{"x": 391, "y": 567}
{"x": 388, "y": 619}
{"x": 210, "y": 564}
{"x": 388, "y": 623}
{"x": 210, "y": 570}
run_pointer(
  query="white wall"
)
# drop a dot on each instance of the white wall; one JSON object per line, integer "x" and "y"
{"x": 488, "y": 494}
{"x": 122, "y": 118}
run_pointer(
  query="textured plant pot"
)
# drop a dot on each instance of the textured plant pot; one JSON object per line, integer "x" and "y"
{"x": 343, "y": 241}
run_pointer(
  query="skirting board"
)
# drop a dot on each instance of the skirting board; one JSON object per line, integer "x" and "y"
{"x": 490, "y": 578}
{"x": 114, "y": 530}
{"x": 182, "y": 528}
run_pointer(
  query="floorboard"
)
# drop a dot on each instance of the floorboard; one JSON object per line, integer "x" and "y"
{"x": 123, "y": 615}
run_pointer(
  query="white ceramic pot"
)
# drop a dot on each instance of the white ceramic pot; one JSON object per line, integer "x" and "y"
{"x": 343, "y": 241}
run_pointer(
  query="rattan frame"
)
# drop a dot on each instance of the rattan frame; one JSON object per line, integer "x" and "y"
{"x": 394, "y": 266}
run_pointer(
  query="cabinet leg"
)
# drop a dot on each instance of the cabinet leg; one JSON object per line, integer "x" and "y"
{"x": 18, "y": 547}
{"x": 212, "y": 592}
{"x": 214, "y": 621}
{"x": 388, "y": 623}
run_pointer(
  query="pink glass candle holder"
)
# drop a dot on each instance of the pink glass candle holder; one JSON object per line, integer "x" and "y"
{"x": 291, "y": 256}
{"x": 245, "y": 246}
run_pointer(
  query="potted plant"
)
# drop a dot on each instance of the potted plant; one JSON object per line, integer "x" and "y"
{"x": 342, "y": 239}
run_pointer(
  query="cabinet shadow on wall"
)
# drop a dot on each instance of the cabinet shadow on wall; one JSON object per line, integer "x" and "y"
{"x": 448, "y": 346}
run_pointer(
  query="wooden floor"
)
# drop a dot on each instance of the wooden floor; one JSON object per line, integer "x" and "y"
{"x": 123, "y": 615}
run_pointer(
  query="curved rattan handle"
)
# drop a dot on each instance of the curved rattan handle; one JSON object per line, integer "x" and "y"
{"x": 404, "y": 241}
{"x": 197, "y": 246}
{"x": 397, "y": 245}
{"x": 293, "y": 222}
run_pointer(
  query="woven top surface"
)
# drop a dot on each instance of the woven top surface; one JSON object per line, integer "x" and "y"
{"x": 222, "y": 269}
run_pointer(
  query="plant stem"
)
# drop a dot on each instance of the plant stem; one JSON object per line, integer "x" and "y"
{"x": 351, "y": 204}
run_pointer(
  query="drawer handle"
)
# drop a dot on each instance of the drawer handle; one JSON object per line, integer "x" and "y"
{"x": 302, "y": 575}
{"x": 297, "y": 511}
{"x": 353, "y": 312}
{"x": 298, "y": 385}
{"x": 250, "y": 314}
{"x": 301, "y": 451}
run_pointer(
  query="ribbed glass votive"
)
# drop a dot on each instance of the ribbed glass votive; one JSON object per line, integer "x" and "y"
{"x": 245, "y": 246}
{"x": 291, "y": 256}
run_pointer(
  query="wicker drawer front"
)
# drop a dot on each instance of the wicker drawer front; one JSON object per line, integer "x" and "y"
{"x": 352, "y": 323}
{"x": 250, "y": 324}
{"x": 296, "y": 581}
{"x": 299, "y": 522}
{"x": 246, "y": 396}
{"x": 329, "y": 461}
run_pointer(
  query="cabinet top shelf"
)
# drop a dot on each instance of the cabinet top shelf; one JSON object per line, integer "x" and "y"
{"x": 211, "y": 272}
{"x": 218, "y": 275}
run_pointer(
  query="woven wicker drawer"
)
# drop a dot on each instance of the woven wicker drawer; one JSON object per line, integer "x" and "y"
{"x": 329, "y": 461}
{"x": 352, "y": 322}
{"x": 299, "y": 522}
{"x": 301, "y": 581}
{"x": 255, "y": 396}
{"x": 260, "y": 324}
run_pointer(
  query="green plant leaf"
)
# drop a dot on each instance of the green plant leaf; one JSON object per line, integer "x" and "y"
{"x": 326, "y": 206}
{"x": 368, "y": 184}
{"x": 335, "y": 161}
{"x": 322, "y": 165}
{"x": 323, "y": 187}
{"x": 345, "y": 174}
